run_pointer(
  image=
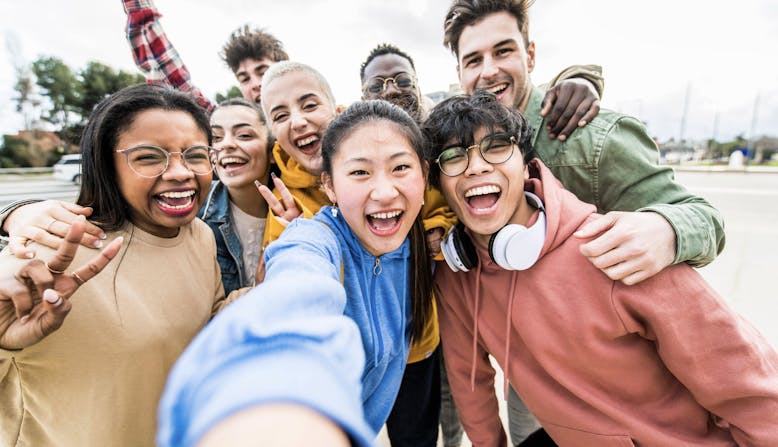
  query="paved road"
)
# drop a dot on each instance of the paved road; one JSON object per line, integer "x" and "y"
{"x": 15, "y": 187}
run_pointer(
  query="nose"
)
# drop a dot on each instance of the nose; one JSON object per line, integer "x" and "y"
{"x": 227, "y": 142}
{"x": 256, "y": 83}
{"x": 297, "y": 119}
{"x": 176, "y": 169}
{"x": 390, "y": 87}
{"x": 475, "y": 163}
{"x": 489, "y": 68}
{"x": 384, "y": 190}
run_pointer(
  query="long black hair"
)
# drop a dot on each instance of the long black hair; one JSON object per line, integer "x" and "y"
{"x": 112, "y": 116}
{"x": 345, "y": 124}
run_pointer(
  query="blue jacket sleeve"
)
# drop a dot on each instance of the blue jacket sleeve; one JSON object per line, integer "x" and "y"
{"x": 287, "y": 340}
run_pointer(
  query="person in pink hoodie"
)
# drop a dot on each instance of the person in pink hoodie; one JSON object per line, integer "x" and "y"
{"x": 664, "y": 362}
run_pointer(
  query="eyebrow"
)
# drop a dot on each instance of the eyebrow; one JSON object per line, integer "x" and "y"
{"x": 394, "y": 156}
{"x": 300, "y": 99}
{"x": 497, "y": 45}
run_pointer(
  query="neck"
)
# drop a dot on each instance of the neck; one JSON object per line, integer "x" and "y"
{"x": 249, "y": 200}
{"x": 522, "y": 105}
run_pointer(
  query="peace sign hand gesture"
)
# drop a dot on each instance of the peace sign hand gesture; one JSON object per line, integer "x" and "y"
{"x": 36, "y": 299}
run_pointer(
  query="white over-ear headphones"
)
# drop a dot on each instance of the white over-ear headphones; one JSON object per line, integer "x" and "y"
{"x": 514, "y": 247}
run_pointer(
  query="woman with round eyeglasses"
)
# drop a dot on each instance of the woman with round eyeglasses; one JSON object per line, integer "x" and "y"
{"x": 85, "y": 361}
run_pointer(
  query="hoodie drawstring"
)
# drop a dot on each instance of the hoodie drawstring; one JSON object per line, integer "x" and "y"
{"x": 508, "y": 322}
{"x": 475, "y": 324}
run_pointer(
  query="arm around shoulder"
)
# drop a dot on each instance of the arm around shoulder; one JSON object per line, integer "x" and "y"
{"x": 631, "y": 179}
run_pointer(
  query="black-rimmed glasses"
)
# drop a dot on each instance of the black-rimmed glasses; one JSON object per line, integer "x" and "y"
{"x": 402, "y": 81}
{"x": 151, "y": 161}
{"x": 494, "y": 149}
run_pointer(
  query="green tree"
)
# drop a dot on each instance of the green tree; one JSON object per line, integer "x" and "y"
{"x": 233, "y": 92}
{"x": 58, "y": 82}
{"x": 98, "y": 81}
{"x": 14, "y": 153}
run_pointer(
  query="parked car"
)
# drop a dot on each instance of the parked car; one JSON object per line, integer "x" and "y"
{"x": 68, "y": 168}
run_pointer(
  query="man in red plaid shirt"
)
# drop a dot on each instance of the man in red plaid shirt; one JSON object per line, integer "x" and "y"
{"x": 248, "y": 52}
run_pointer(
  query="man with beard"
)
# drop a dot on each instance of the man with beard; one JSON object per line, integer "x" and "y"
{"x": 425, "y": 398}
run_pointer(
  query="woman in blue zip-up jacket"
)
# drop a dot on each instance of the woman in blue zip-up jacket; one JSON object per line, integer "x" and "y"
{"x": 358, "y": 267}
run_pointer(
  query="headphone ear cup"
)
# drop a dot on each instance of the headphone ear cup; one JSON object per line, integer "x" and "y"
{"x": 516, "y": 247}
{"x": 458, "y": 249}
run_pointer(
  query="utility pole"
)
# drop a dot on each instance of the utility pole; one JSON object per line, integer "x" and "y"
{"x": 752, "y": 133}
{"x": 685, "y": 110}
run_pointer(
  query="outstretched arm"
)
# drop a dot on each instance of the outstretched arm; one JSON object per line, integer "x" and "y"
{"x": 153, "y": 53}
{"x": 285, "y": 342}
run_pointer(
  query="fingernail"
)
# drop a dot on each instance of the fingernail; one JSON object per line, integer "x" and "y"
{"x": 29, "y": 255}
{"x": 98, "y": 244}
{"x": 257, "y": 183}
{"x": 273, "y": 174}
{"x": 52, "y": 297}
{"x": 102, "y": 235}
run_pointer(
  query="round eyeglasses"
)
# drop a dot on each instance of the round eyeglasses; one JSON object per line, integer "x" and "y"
{"x": 494, "y": 149}
{"x": 151, "y": 161}
{"x": 402, "y": 81}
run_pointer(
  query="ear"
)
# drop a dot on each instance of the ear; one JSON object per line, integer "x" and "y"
{"x": 326, "y": 184}
{"x": 426, "y": 166}
{"x": 531, "y": 56}
{"x": 459, "y": 74}
{"x": 526, "y": 172}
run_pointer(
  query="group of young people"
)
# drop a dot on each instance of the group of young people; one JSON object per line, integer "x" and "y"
{"x": 338, "y": 250}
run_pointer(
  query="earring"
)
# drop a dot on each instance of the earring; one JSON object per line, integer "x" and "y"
{"x": 334, "y": 210}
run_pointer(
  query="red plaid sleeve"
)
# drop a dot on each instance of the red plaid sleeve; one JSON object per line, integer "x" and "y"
{"x": 153, "y": 53}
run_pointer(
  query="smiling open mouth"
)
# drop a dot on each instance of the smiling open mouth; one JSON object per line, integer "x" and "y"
{"x": 175, "y": 201}
{"x": 382, "y": 223}
{"x": 483, "y": 197}
{"x": 231, "y": 163}
{"x": 307, "y": 144}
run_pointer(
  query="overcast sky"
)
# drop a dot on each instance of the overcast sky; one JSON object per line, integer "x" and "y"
{"x": 722, "y": 52}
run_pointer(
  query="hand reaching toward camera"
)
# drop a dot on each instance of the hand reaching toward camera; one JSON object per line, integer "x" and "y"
{"x": 35, "y": 300}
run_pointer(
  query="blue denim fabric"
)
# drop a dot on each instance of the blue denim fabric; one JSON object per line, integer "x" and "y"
{"x": 229, "y": 253}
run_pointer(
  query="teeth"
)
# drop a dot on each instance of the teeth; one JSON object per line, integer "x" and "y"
{"x": 178, "y": 194}
{"x": 174, "y": 207}
{"x": 388, "y": 215}
{"x": 229, "y": 160}
{"x": 482, "y": 190}
{"x": 498, "y": 88}
{"x": 307, "y": 140}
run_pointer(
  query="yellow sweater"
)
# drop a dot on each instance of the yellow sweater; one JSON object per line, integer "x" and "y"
{"x": 306, "y": 191}
{"x": 97, "y": 380}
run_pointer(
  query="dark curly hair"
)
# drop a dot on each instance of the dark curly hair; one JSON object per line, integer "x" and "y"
{"x": 380, "y": 50}
{"x": 464, "y": 13}
{"x": 459, "y": 117}
{"x": 246, "y": 42}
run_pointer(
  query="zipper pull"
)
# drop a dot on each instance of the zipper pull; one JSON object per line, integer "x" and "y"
{"x": 377, "y": 267}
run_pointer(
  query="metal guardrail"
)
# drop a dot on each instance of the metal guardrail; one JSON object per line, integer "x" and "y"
{"x": 26, "y": 170}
